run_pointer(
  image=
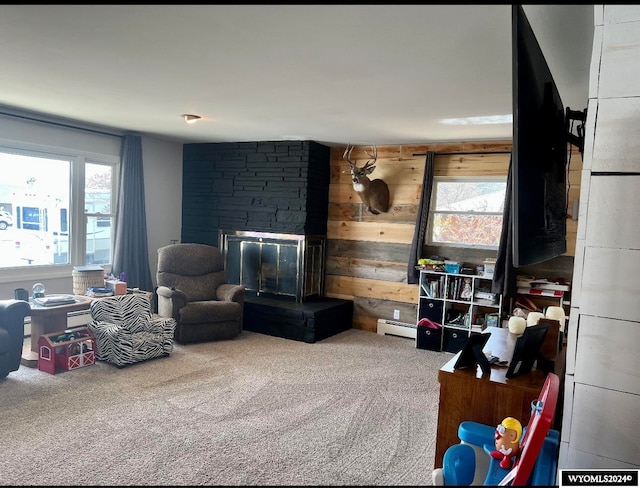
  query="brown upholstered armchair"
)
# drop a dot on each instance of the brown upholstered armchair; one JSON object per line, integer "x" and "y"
{"x": 12, "y": 314}
{"x": 192, "y": 290}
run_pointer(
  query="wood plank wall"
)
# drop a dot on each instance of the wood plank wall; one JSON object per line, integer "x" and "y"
{"x": 367, "y": 254}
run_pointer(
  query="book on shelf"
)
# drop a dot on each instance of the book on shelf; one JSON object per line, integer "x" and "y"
{"x": 483, "y": 295}
{"x": 433, "y": 289}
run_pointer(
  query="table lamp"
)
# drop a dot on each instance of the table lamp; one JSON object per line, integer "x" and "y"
{"x": 556, "y": 313}
{"x": 533, "y": 318}
{"x": 517, "y": 325}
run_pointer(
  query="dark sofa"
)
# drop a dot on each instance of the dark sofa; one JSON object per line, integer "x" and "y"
{"x": 12, "y": 314}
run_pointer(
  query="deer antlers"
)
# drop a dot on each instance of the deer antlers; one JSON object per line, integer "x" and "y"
{"x": 373, "y": 155}
{"x": 373, "y": 193}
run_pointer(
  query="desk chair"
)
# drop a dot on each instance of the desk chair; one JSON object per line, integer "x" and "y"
{"x": 468, "y": 463}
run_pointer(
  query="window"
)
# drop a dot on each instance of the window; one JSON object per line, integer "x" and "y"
{"x": 99, "y": 216}
{"x": 466, "y": 212}
{"x": 61, "y": 207}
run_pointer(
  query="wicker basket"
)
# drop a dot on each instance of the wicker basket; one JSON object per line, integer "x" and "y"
{"x": 83, "y": 280}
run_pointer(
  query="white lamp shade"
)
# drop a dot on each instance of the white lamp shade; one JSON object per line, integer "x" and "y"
{"x": 533, "y": 318}
{"x": 517, "y": 325}
{"x": 556, "y": 313}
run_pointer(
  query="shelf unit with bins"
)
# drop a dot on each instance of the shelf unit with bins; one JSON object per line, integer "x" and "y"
{"x": 457, "y": 302}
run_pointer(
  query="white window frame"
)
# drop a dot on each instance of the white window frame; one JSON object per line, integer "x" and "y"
{"x": 77, "y": 215}
{"x": 81, "y": 246}
{"x": 432, "y": 208}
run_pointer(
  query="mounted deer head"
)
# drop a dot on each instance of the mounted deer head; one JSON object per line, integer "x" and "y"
{"x": 373, "y": 193}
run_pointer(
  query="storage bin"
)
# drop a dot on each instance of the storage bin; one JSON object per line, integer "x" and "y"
{"x": 429, "y": 338}
{"x": 453, "y": 339}
{"x": 118, "y": 287}
{"x": 489, "y": 269}
{"x": 83, "y": 280}
{"x": 452, "y": 267}
{"x": 431, "y": 309}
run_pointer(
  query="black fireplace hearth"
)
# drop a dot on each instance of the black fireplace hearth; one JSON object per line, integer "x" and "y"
{"x": 311, "y": 321}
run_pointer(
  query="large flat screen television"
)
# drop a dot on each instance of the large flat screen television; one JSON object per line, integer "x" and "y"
{"x": 539, "y": 152}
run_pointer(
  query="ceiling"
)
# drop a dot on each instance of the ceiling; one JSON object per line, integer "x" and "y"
{"x": 370, "y": 74}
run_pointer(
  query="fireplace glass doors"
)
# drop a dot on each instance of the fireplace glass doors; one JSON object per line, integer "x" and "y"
{"x": 277, "y": 265}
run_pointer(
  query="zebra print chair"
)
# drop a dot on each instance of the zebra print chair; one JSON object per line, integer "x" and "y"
{"x": 127, "y": 332}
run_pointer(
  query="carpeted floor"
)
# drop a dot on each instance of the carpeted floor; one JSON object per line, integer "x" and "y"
{"x": 354, "y": 409}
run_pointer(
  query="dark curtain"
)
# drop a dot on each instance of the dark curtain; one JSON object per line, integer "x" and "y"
{"x": 413, "y": 275}
{"x": 504, "y": 275}
{"x": 130, "y": 248}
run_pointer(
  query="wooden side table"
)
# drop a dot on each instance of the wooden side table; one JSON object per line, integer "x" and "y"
{"x": 465, "y": 394}
{"x": 45, "y": 320}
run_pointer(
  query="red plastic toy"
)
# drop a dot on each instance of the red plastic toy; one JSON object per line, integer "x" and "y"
{"x": 542, "y": 413}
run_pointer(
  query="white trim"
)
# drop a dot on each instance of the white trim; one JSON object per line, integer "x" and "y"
{"x": 77, "y": 159}
{"x": 428, "y": 239}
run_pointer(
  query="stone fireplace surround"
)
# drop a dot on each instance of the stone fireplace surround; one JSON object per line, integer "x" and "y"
{"x": 280, "y": 187}
{"x": 274, "y": 187}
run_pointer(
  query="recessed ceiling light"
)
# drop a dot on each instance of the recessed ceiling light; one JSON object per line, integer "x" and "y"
{"x": 190, "y": 118}
{"x": 482, "y": 120}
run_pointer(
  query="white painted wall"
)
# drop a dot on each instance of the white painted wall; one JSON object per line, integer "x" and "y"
{"x": 163, "y": 195}
{"x": 601, "y": 427}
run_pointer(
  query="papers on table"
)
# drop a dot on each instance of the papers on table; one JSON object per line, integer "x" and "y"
{"x": 54, "y": 300}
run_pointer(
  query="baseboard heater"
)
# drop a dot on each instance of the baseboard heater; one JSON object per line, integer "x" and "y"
{"x": 395, "y": 328}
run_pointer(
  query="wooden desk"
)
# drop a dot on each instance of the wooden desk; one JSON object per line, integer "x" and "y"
{"x": 45, "y": 320}
{"x": 467, "y": 395}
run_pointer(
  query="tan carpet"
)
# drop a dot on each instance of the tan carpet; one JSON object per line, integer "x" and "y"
{"x": 354, "y": 409}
